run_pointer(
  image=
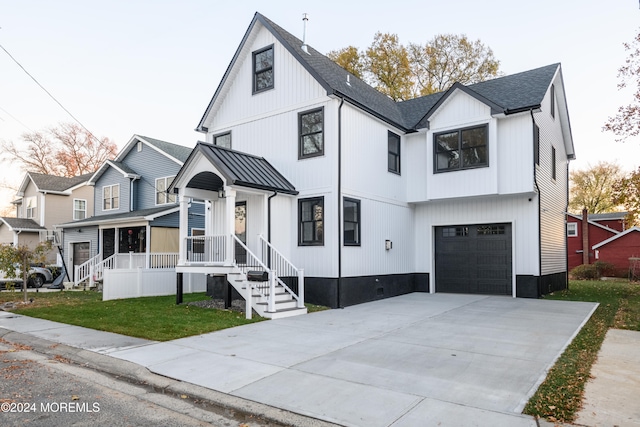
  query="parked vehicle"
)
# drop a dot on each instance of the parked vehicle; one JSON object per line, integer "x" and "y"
{"x": 38, "y": 276}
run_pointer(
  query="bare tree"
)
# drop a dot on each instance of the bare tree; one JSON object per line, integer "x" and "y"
{"x": 66, "y": 150}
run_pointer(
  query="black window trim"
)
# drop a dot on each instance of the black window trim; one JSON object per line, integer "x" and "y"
{"x": 253, "y": 75}
{"x": 358, "y": 222}
{"x": 319, "y": 242}
{"x": 398, "y": 154}
{"x": 460, "y": 130}
{"x": 536, "y": 144}
{"x": 223, "y": 134}
{"x": 554, "y": 173}
{"x": 302, "y": 156}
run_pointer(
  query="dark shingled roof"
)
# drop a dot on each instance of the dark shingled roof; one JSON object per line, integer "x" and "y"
{"x": 242, "y": 169}
{"x": 119, "y": 216}
{"x": 513, "y": 93}
{"x": 22, "y": 224}
{"x": 177, "y": 151}
{"x": 57, "y": 183}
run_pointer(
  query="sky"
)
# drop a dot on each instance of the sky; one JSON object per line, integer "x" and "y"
{"x": 150, "y": 67}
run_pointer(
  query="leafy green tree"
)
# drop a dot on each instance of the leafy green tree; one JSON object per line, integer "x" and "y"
{"x": 405, "y": 72}
{"x": 626, "y": 123}
{"x": 16, "y": 260}
{"x": 593, "y": 188}
{"x": 626, "y": 192}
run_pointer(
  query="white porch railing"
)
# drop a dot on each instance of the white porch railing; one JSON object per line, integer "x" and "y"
{"x": 206, "y": 249}
{"x": 288, "y": 274}
{"x": 252, "y": 262}
{"x": 93, "y": 269}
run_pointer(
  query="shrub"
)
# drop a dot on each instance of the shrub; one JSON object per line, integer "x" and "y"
{"x": 605, "y": 269}
{"x": 585, "y": 272}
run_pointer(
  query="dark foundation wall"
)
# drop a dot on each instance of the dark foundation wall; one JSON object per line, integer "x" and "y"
{"x": 535, "y": 286}
{"x": 358, "y": 290}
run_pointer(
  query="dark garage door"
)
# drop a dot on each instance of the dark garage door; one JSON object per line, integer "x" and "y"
{"x": 474, "y": 259}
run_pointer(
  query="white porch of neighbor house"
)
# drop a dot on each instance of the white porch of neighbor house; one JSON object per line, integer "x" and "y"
{"x": 129, "y": 246}
{"x": 237, "y": 188}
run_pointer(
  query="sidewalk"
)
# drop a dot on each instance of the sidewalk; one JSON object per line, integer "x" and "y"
{"x": 422, "y": 359}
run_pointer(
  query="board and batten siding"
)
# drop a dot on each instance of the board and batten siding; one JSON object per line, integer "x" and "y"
{"x": 293, "y": 86}
{"x": 365, "y": 150}
{"x": 380, "y": 221}
{"x": 112, "y": 177}
{"x": 553, "y": 193}
{"x": 515, "y": 154}
{"x": 461, "y": 111}
{"x": 514, "y": 209}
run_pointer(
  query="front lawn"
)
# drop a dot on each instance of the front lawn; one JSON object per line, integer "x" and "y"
{"x": 153, "y": 318}
{"x": 559, "y": 398}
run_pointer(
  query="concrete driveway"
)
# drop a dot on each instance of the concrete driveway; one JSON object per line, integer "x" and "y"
{"x": 417, "y": 359}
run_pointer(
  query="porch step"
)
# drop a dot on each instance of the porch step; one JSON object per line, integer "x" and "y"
{"x": 280, "y": 305}
{"x": 286, "y": 312}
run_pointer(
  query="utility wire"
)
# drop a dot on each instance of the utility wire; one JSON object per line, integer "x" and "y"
{"x": 48, "y": 93}
{"x": 14, "y": 118}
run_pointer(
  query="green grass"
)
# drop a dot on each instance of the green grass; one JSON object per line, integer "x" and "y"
{"x": 154, "y": 318}
{"x": 559, "y": 398}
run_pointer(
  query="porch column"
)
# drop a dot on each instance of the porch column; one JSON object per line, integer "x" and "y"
{"x": 230, "y": 224}
{"x": 184, "y": 229}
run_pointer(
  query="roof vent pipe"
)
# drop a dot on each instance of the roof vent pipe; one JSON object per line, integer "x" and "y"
{"x": 305, "y": 18}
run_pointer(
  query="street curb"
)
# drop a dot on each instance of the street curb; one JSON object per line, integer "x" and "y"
{"x": 140, "y": 375}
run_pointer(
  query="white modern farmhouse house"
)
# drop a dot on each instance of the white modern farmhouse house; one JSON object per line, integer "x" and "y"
{"x": 309, "y": 173}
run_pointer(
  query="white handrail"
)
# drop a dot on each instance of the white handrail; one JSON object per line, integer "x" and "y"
{"x": 283, "y": 268}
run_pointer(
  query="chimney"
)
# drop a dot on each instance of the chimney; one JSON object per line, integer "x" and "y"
{"x": 305, "y": 18}
{"x": 585, "y": 236}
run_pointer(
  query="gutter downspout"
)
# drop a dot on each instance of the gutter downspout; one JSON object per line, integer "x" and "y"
{"x": 535, "y": 181}
{"x": 275, "y": 193}
{"x": 339, "y": 303}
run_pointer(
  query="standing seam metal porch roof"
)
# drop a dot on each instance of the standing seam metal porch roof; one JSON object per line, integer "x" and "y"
{"x": 241, "y": 169}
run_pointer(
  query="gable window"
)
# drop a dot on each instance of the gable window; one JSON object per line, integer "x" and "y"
{"x": 553, "y": 163}
{"x": 552, "y": 96}
{"x": 351, "y": 214}
{"x": 31, "y": 207}
{"x": 263, "y": 69}
{"x": 461, "y": 149}
{"x": 394, "y": 152}
{"x": 222, "y": 140}
{"x": 110, "y": 197}
{"x": 311, "y": 221}
{"x": 536, "y": 144}
{"x": 311, "y": 131}
{"x": 162, "y": 197}
{"x": 572, "y": 229}
{"x": 79, "y": 209}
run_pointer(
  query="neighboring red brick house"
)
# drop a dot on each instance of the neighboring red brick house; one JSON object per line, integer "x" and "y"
{"x": 618, "y": 249}
{"x": 584, "y": 236}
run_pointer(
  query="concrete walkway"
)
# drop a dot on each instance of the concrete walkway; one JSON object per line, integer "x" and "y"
{"x": 418, "y": 359}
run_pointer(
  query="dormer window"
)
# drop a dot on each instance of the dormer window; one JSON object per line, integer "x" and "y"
{"x": 263, "y": 69}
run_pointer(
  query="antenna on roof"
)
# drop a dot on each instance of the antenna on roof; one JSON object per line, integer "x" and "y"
{"x": 305, "y": 18}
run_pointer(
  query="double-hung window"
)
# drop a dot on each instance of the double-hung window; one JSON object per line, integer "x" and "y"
{"x": 162, "y": 197}
{"x": 110, "y": 197}
{"x": 572, "y": 229}
{"x": 31, "y": 207}
{"x": 394, "y": 153}
{"x": 351, "y": 214}
{"x": 79, "y": 209}
{"x": 461, "y": 149}
{"x": 263, "y": 69}
{"x": 311, "y": 133}
{"x": 222, "y": 140}
{"x": 311, "y": 221}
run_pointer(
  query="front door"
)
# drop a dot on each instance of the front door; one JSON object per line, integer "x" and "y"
{"x": 241, "y": 232}
{"x": 80, "y": 254}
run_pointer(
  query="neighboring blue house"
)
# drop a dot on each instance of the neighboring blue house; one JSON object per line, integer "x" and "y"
{"x": 135, "y": 223}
